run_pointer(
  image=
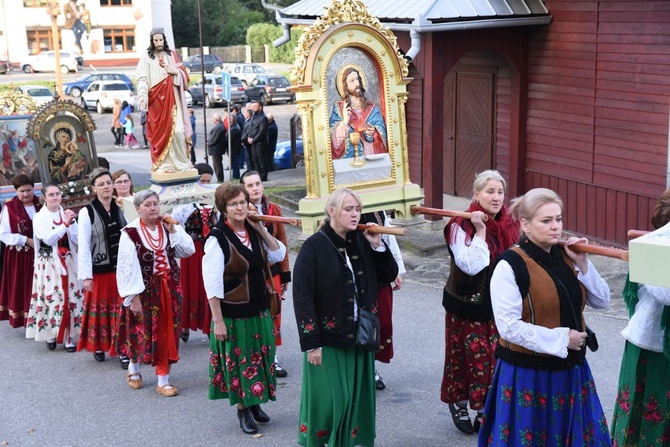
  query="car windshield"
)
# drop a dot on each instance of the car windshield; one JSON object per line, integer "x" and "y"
{"x": 39, "y": 92}
{"x": 115, "y": 87}
{"x": 278, "y": 82}
{"x": 234, "y": 80}
{"x": 83, "y": 77}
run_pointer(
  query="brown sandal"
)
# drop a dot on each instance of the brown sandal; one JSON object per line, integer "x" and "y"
{"x": 135, "y": 384}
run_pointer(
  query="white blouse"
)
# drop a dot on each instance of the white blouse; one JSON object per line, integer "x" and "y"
{"x": 6, "y": 235}
{"x": 644, "y": 328}
{"x": 473, "y": 258}
{"x": 213, "y": 264}
{"x": 508, "y": 305}
{"x": 393, "y": 246}
{"x": 45, "y": 230}
{"x": 128, "y": 272}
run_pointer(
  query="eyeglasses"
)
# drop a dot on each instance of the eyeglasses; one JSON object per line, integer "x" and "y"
{"x": 121, "y": 182}
{"x": 241, "y": 203}
{"x": 103, "y": 184}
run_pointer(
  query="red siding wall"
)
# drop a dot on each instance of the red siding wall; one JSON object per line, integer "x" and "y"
{"x": 414, "y": 114}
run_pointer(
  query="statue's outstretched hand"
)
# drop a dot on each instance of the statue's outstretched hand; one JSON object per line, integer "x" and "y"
{"x": 142, "y": 104}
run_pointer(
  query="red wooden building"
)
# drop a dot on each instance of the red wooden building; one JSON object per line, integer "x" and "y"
{"x": 570, "y": 95}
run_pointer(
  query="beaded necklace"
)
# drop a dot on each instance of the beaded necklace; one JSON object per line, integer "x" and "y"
{"x": 156, "y": 244}
{"x": 243, "y": 235}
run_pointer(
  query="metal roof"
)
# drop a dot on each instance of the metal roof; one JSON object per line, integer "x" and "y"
{"x": 428, "y": 12}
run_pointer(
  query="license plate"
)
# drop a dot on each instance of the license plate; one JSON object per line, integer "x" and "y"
{"x": 281, "y": 90}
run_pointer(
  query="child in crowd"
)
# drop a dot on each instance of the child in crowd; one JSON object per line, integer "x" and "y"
{"x": 130, "y": 137}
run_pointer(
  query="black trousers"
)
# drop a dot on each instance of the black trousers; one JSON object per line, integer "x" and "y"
{"x": 259, "y": 159}
{"x": 118, "y": 135}
{"x": 217, "y": 164}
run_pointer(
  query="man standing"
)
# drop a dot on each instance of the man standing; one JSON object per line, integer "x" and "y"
{"x": 273, "y": 132}
{"x": 281, "y": 271}
{"x": 73, "y": 22}
{"x": 235, "y": 135}
{"x": 355, "y": 114}
{"x": 217, "y": 143}
{"x": 161, "y": 83}
{"x": 257, "y": 137}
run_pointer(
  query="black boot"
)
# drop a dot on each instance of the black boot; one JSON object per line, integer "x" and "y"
{"x": 247, "y": 423}
{"x": 461, "y": 418}
{"x": 258, "y": 414}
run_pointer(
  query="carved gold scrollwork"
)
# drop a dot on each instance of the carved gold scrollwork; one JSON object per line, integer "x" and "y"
{"x": 402, "y": 100}
{"x": 306, "y": 111}
{"x": 14, "y": 102}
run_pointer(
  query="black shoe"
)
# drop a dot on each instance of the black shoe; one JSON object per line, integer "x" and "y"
{"x": 258, "y": 413}
{"x": 51, "y": 345}
{"x": 461, "y": 418}
{"x": 99, "y": 356}
{"x": 71, "y": 348}
{"x": 185, "y": 335}
{"x": 247, "y": 423}
{"x": 379, "y": 382}
{"x": 124, "y": 360}
{"x": 281, "y": 372}
{"x": 478, "y": 421}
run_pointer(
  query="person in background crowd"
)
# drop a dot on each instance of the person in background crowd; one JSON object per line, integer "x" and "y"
{"x": 217, "y": 144}
{"x": 148, "y": 280}
{"x": 191, "y": 117}
{"x": 143, "y": 122}
{"x": 235, "y": 135}
{"x": 242, "y": 342}
{"x": 273, "y": 133}
{"x": 542, "y": 386}
{"x": 248, "y": 114}
{"x": 56, "y": 304}
{"x": 336, "y": 276}
{"x": 385, "y": 296}
{"x": 129, "y": 127}
{"x": 257, "y": 138}
{"x": 117, "y": 127}
{"x": 240, "y": 118}
{"x": 103, "y": 163}
{"x": 197, "y": 220}
{"x": 123, "y": 186}
{"x": 100, "y": 224}
{"x": 125, "y": 111}
{"x": 643, "y": 401}
{"x": 470, "y": 332}
{"x": 16, "y": 233}
{"x": 281, "y": 271}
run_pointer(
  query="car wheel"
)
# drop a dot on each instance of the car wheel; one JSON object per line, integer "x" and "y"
{"x": 263, "y": 99}
{"x": 64, "y": 70}
{"x": 245, "y": 83}
{"x": 27, "y": 69}
{"x": 217, "y": 69}
{"x": 188, "y": 69}
{"x": 208, "y": 102}
{"x": 75, "y": 92}
{"x": 300, "y": 164}
{"x": 83, "y": 104}
{"x": 99, "y": 108}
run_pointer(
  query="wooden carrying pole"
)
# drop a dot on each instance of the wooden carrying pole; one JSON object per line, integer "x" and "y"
{"x": 598, "y": 250}
{"x": 443, "y": 213}
{"x": 632, "y": 234}
{"x": 375, "y": 229}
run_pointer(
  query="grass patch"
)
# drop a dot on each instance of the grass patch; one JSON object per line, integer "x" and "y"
{"x": 278, "y": 189}
{"x": 4, "y": 87}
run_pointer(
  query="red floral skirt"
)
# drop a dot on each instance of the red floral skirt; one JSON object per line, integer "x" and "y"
{"x": 101, "y": 314}
{"x": 385, "y": 312}
{"x": 195, "y": 306}
{"x": 16, "y": 285}
{"x": 469, "y": 360}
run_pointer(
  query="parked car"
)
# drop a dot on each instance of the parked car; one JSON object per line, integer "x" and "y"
{"x": 5, "y": 66}
{"x": 214, "y": 91}
{"x": 46, "y": 61}
{"x": 213, "y": 63}
{"x": 245, "y": 72}
{"x": 270, "y": 88}
{"x": 76, "y": 87}
{"x": 101, "y": 95}
{"x": 189, "y": 99}
{"x": 283, "y": 157}
{"x": 40, "y": 94}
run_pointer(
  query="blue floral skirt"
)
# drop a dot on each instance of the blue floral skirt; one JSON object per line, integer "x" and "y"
{"x": 533, "y": 407}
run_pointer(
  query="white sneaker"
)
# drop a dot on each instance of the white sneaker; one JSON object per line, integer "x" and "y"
{"x": 136, "y": 146}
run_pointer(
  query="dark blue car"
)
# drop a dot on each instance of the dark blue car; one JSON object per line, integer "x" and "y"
{"x": 283, "y": 158}
{"x": 79, "y": 85}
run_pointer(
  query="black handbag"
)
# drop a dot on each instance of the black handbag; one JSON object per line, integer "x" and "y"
{"x": 368, "y": 334}
{"x": 591, "y": 339}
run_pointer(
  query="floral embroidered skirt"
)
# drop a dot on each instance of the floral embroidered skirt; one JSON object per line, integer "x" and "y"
{"x": 469, "y": 360}
{"x": 101, "y": 314}
{"x": 195, "y": 306}
{"x": 642, "y": 411}
{"x": 47, "y": 305}
{"x": 337, "y": 401}
{"x": 385, "y": 313}
{"x": 16, "y": 285}
{"x": 241, "y": 368}
{"x": 536, "y": 408}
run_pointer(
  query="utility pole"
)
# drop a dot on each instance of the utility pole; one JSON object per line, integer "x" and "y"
{"x": 54, "y": 11}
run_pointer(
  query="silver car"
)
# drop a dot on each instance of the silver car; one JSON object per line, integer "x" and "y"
{"x": 214, "y": 91}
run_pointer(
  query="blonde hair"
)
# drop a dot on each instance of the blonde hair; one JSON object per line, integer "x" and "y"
{"x": 527, "y": 205}
{"x": 483, "y": 178}
{"x": 336, "y": 201}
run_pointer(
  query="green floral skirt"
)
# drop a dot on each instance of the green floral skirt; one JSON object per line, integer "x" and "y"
{"x": 337, "y": 402}
{"x": 241, "y": 368}
{"x": 642, "y": 409}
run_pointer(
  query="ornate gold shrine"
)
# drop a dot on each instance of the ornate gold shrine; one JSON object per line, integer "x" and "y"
{"x": 348, "y": 64}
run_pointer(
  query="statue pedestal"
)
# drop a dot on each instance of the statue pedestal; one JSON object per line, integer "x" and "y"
{"x": 646, "y": 255}
{"x": 180, "y": 191}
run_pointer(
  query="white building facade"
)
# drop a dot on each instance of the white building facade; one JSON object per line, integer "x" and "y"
{"x": 118, "y": 33}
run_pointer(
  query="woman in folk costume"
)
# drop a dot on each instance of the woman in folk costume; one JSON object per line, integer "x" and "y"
{"x": 16, "y": 232}
{"x": 100, "y": 224}
{"x": 56, "y": 304}
{"x": 281, "y": 271}
{"x": 642, "y": 410}
{"x": 242, "y": 344}
{"x": 197, "y": 219}
{"x": 542, "y": 391}
{"x": 470, "y": 332}
{"x": 336, "y": 276}
{"x": 147, "y": 276}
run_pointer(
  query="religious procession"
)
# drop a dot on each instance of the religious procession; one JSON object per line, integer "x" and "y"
{"x": 188, "y": 268}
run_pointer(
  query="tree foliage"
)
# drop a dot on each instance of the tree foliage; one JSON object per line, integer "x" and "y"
{"x": 265, "y": 34}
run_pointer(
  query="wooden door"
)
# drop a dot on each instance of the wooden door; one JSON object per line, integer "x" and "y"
{"x": 468, "y": 139}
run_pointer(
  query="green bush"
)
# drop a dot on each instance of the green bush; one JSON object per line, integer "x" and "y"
{"x": 264, "y": 34}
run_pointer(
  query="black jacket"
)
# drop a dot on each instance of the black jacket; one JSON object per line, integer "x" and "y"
{"x": 323, "y": 293}
{"x": 217, "y": 143}
{"x": 258, "y": 129}
{"x": 273, "y": 132}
